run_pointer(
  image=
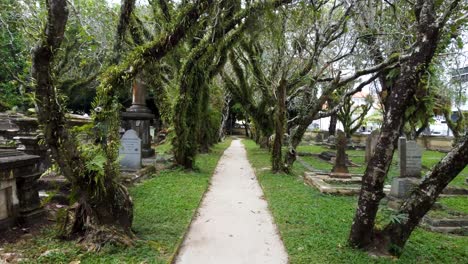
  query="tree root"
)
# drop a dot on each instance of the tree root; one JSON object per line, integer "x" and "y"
{"x": 79, "y": 222}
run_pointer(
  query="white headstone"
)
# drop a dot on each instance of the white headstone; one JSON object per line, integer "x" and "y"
{"x": 130, "y": 150}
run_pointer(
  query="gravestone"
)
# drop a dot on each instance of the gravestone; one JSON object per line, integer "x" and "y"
{"x": 138, "y": 117}
{"x": 319, "y": 138}
{"x": 327, "y": 155}
{"x": 130, "y": 150}
{"x": 409, "y": 158}
{"x": 371, "y": 142}
{"x": 410, "y": 168}
{"x": 340, "y": 161}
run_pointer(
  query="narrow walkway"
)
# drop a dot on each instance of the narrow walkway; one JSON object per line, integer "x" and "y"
{"x": 233, "y": 224}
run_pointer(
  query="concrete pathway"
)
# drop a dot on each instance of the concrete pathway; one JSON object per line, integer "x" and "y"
{"x": 233, "y": 224}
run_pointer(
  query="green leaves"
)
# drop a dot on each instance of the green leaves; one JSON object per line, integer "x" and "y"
{"x": 97, "y": 164}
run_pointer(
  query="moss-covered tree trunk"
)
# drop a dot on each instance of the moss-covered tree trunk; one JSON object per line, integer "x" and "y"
{"x": 104, "y": 211}
{"x": 206, "y": 139}
{"x": 332, "y": 126}
{"x": 412, "y": 71}
{"x": 280, "y": 125}
{"x": 187, "y": 116}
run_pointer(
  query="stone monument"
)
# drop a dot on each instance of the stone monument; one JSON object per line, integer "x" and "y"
{"x": 371, "y": 142}
{"x": 410, "y": 155}
{"x": 29, "y": 139}
{"x": 19, "y": 197}
{"x": 340, "y": 160}
{"x": 319, "y": 138}
{"x": 138, "y": 117}
{"x": 130, "y": 150}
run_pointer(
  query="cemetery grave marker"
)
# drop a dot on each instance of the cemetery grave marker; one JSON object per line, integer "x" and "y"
{"x": 130, "y": 150}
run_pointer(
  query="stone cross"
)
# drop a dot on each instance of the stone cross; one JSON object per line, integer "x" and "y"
{"x": 371, "y": 142}
{"x": 340, "y": 161}
{"x": 130, "y": 150}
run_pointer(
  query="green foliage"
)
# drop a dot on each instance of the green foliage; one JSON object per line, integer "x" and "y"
{"x": 314, "y": 227}
{"x": 14, "y": 58}
{"x": 352, "y": 116}
{"x": 164, "y": 208}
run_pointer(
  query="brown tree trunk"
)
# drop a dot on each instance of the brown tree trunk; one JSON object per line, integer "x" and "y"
{"x": 280, "y": 122}
{"x": 424, "y": 196}
{"x": 224, "y": 117}
{"x": 103, "y": 215}
{"x": 295, "y": 138}
{"x": 362, "y": 231}
{"x": 125, "y": 13}
{"x": 246, "y": 127}
{"x": 332, "y": 126}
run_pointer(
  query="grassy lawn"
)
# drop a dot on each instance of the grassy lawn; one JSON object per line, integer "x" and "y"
{"x": 459, "y": 204}
{"x": 164, "y": 206}
{"x": 315, "y": 227}
{"x": 429, "y": 159}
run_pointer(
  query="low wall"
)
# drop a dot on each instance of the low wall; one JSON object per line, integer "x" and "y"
{"x": 437, "y": 143}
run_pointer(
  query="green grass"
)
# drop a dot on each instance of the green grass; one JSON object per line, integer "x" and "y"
{"x": 315, "y": 227}
{"x": 164, "y": 206}
{"x": 456, "y": 203}
{"x": 429, "y": 159}
{"x": 164, "y": 148}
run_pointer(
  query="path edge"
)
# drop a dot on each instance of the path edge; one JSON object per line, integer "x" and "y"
{"x": 176, "y": 252}
{"x": 278, "y": 232}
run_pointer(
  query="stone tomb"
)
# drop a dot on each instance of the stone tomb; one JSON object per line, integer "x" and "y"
{"x": 138, "y": 117}
{"x": 9, "y": 202}
{"x": 19, "y": 198}
{"x": 410, "y": 155}
{"x": 339, "y": 180}
{"x": 130, "y": 150}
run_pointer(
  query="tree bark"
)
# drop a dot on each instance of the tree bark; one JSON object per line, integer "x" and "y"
{"x": 224, "y": 117}
{"x": 332, "y": 126}
{"x": 280, "y": 123}
{"x": 125, "y": 13}
{"x": 102, "y": 215}
{"x": 424, "y": 196}
{"x": 246, "y": 128}
{"x": 362, "y": 231}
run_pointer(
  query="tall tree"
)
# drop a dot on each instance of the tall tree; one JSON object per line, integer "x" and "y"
{"x": 105, "y": 211}
{"x": 353, "y": 116}
{"x": 430, "y": 19}
{"x": 14, "y": 60}
{"x": 209, "y": 51}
